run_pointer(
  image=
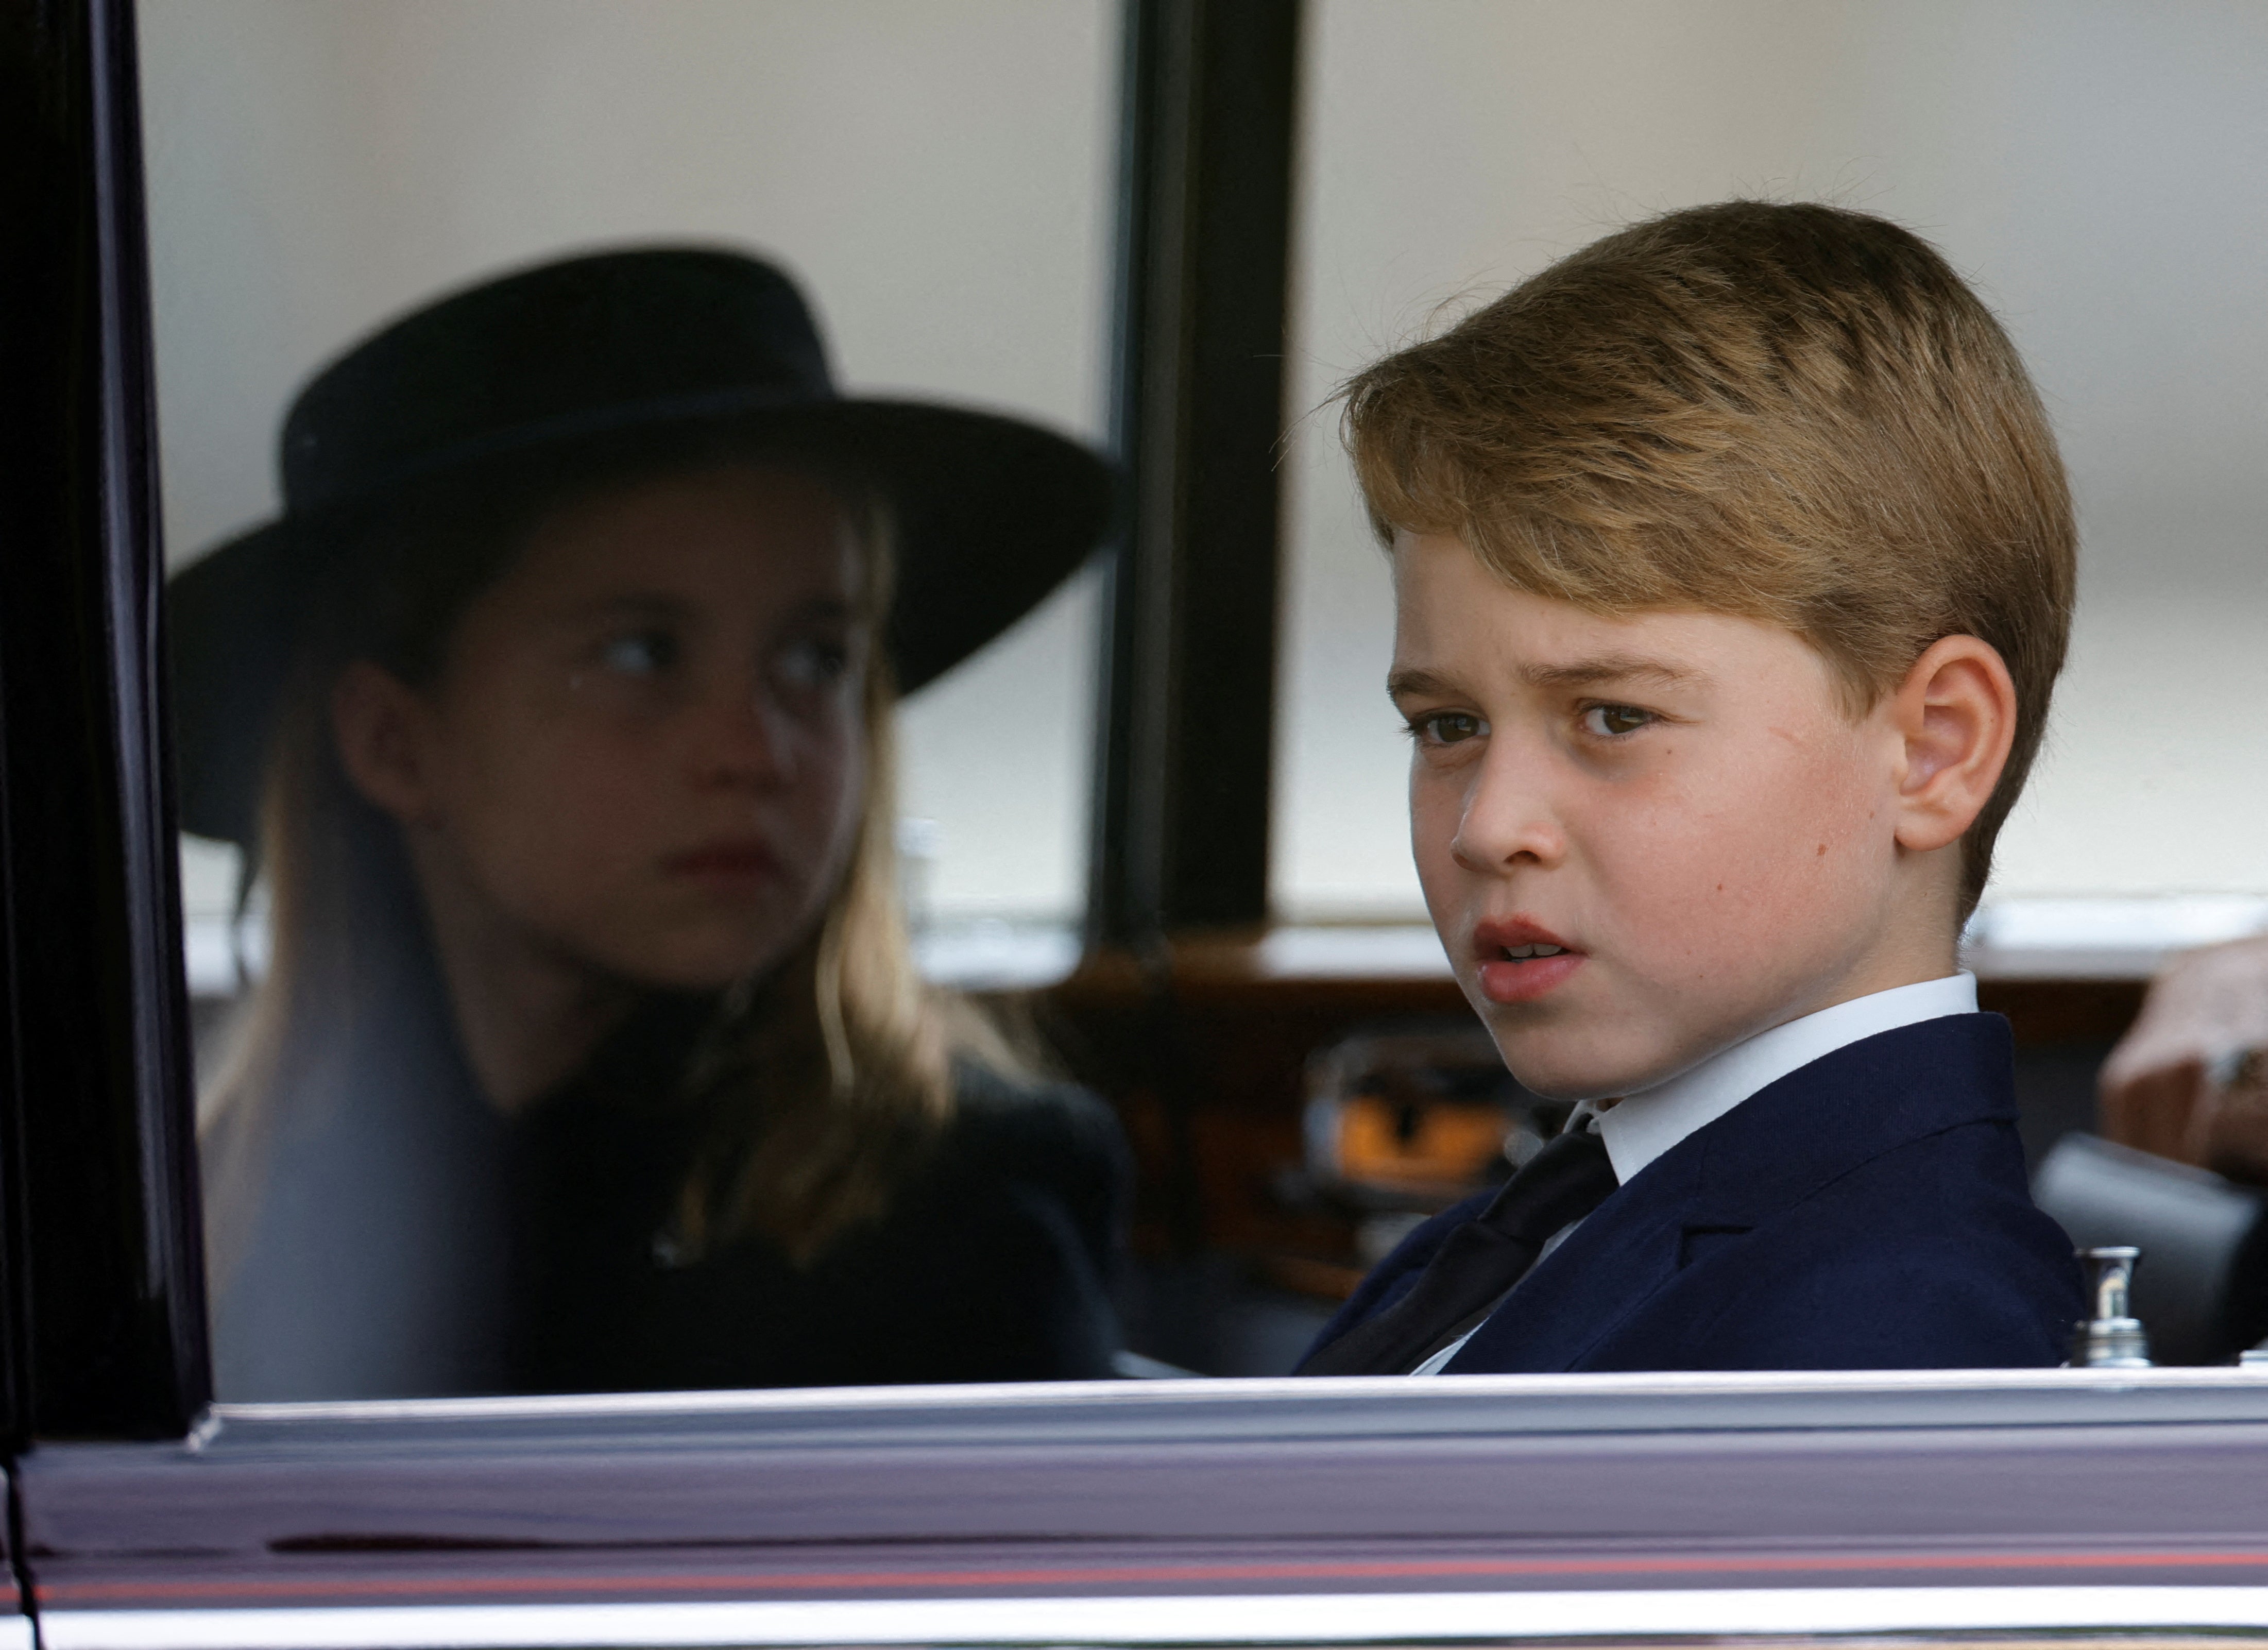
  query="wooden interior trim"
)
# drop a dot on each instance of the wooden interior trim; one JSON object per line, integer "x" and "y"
{"x": 1204, "y": 1049}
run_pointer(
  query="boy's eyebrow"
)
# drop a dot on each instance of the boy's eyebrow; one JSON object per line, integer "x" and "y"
{"x": 1417, "y": 684}
{"x": 1606, "y": 667}
{"x": 1581, "y": 672}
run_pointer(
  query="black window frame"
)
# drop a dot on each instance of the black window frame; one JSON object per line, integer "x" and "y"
{"x": 104, "y": 1269}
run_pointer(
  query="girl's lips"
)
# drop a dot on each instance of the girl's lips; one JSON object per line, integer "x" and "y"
{"x": 1503, "y": 980}
{"x": 725, "y": 863}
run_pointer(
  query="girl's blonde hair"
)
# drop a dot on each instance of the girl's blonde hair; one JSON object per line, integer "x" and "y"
{"x": 822, "y": 1085}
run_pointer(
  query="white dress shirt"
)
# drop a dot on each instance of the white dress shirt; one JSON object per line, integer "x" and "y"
{"x": 1641, "y": 1127}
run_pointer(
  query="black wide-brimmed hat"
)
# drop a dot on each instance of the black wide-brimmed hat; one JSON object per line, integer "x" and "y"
{"x": 990, "y": 513}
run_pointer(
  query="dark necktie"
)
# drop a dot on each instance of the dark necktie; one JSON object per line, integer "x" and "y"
{"x": 1478, "y": 1263}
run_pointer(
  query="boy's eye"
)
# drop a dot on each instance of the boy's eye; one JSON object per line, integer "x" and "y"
{"x": 1612, "y": 721}
{"x": 640, "y": 653}
{"x": 1450, "y": 728}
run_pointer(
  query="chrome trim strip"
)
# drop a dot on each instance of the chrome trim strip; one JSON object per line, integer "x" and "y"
{"x": 1110, "y": 1394}
{"x": 1303, "y": 1618}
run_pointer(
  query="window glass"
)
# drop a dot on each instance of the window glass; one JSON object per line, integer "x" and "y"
{"x": 937, "y": 178}
{"x": 558, "y": 938}
{"x": 2090, "y": 172}
{"x": 596, "y": 555}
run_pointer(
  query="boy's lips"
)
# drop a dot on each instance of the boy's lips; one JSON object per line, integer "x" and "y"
{"x": 1521, "y": 960}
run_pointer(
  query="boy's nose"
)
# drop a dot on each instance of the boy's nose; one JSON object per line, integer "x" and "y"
{"x": 1507, "y": 818}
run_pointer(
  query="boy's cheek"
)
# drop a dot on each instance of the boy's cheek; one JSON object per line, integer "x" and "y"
{"x": 1757, "y": 907}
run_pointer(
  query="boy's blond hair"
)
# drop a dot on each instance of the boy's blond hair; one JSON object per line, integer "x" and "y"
{"x": 1789, "y": 413}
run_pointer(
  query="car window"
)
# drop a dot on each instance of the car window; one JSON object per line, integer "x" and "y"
{"x": 938, "y": 179}
{"x": 637, "y": 498}
{"x": 695, "y": 371}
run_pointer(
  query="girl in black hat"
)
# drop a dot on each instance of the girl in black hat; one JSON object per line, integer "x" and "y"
{"x": 558, "y": 710}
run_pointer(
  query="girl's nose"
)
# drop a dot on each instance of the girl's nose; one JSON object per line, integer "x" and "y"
{"x": 740, "y": 738}
{"x": 1509, "y": 819}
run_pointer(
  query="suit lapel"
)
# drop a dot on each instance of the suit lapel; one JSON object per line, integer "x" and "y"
{"x": 1626, "y": 1251}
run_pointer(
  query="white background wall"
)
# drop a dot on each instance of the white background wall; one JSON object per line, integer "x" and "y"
{"x": 939, "y": 175}
{"x": 2099, "y": 170}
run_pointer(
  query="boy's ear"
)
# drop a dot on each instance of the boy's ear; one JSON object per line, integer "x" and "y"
{"x": 1955, "y": 714}
{"x": 379, "y": 724}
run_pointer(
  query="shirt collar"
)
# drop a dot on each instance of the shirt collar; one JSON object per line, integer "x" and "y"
{"x": 1641, "y": 1127}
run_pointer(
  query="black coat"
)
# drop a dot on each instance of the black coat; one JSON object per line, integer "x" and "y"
{"x": 994, "y": 1261}
{"x": 412, "y": 1243}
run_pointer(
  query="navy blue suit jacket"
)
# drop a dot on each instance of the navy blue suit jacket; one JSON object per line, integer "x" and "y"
{"x": 1868, "y": 1211}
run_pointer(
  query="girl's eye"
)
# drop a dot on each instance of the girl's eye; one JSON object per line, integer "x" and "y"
{"x": 1450, "y": 728}
{"x": 813, "y": 663}
{"x": 640, "y": 653}
{"x": 1612, "y": 721}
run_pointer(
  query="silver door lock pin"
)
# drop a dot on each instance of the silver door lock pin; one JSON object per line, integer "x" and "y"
{"x": 2113, "y": 1337}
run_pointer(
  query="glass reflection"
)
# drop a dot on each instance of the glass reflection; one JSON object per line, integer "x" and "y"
{"x": 556, "y": 710}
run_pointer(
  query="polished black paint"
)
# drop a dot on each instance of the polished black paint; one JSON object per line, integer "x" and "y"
{"x": 109, "y": 1314}
{"x": 1370, "y": 1487}
{"x": 1206, "y": 178}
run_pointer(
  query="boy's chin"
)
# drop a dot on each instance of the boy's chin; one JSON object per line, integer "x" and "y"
{"x": 1573, "y": 1068}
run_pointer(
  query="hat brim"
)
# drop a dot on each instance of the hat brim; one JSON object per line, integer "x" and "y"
{"x": 992, "y": 514}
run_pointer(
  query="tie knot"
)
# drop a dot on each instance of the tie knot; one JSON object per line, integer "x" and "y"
{"x": 1562, "y": 1183}
{"x": 1478, "y": 1261}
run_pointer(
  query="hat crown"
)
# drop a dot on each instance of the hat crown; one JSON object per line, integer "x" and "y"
{"x": 572, "y": 348}
{"x": 649, "y": 349}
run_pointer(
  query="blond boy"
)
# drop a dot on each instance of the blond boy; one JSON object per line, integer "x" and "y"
{"x": 1733, "y": 565}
